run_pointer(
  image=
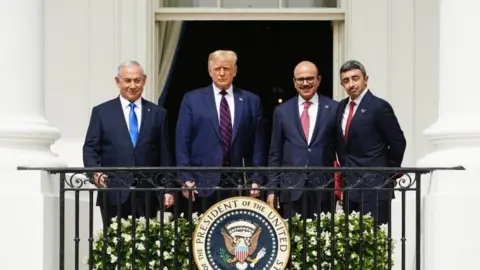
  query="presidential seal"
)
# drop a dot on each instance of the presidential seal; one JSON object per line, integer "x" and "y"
{"x": 241, "y": 233}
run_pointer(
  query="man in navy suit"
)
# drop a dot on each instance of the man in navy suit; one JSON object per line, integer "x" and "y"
{"x": 219, "y": 125}
{"x": 127, "y": 131}
{"x": 368, "y": 135}
{"x": 303, "y": 135}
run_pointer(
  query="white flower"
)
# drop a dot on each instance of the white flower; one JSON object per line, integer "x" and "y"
{"x": 125, "y": 223}
{"x": 126, "y": 237}
{"x": 140, "y": 246}
{"x": 114, "y": 225}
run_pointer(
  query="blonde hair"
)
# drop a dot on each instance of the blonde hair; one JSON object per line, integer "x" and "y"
{"x": 223, "y": 55}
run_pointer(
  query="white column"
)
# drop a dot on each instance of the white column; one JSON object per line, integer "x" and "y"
{"x": 25, "y": 136}
{"x": 22, "y": 122}
{"x": 451, "y": 216}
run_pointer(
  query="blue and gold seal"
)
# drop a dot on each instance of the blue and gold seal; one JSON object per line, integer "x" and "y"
{"x": 241, "y": 233}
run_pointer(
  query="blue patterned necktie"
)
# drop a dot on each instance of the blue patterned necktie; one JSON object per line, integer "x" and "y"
{"x": 133, "y": 123}
{"x": 225, "y": 128}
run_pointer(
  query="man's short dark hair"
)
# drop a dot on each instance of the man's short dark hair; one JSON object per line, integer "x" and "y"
{"x": 351, "y": 65}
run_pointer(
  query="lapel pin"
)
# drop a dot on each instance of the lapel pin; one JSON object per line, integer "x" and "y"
{"x": 363, "y": 110}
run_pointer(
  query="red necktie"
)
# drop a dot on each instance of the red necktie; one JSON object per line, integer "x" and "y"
{"x": 305, "y": 119}
{"x": 349, "y": 119}
{"x": 338, "y": 182}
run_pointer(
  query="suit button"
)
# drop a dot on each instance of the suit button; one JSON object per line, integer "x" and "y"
{"x": 309, "y": 150}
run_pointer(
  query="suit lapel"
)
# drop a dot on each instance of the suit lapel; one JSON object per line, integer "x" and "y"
{"x": 238, "y": 100}
{"x": 145, "y": 124}
{"x": 342, "y": 107}
{"x": 295, "y": 114}
{"x": 119, "y": 118}
{"x": 361, "y": 109}
{"x": 211, "y": 107}
{"x": 322, "y": 111}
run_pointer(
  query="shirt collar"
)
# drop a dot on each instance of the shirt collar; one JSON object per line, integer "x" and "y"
{"x": 217, "y": 90}
{"x": 126, "y": 103}
{"x": 313, "y": 100}
{"x": 359, "y": 98}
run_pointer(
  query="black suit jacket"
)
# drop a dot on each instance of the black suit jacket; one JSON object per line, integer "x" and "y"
{"x": 375, "y": 139}
{"x": 289, "y": 148}
{"x": 108, "y": 143}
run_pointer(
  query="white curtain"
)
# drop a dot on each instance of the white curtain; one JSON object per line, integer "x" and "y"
{"x": 167, "y": 35}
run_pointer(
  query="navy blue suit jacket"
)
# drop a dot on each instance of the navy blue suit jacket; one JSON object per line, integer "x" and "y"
{"x": 108, "y": 143}
{"x": 198, "y": 140}
{"x": 375, "y": 139}
{"x": 289, "y": 148}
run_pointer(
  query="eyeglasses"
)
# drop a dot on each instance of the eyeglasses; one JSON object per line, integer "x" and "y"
{"x": 309, "y": 80}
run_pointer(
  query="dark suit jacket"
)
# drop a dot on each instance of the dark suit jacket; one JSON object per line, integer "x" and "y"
{"x": 108, "y": 143}
{"x": 375, "y": 140}
{"x": 289, "y": 148}
{"x": 198, "y": 140}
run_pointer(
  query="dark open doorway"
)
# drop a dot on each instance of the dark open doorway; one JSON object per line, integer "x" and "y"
{"x": 267, "y": 54}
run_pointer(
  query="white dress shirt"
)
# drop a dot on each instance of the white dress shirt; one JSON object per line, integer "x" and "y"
{"x": 312, "y": 113}
{"x": 126, "y": 111}
{"x": 347, "y": 109}
{"x": 230, "y": 100}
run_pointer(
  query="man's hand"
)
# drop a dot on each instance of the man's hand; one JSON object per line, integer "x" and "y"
{"x": 271, "y": 200}
{"x": 168, "y": 200}
{"x": 100, "y": 180}
{"x": 255, "y": 192}
{"x": 186, "y": 193}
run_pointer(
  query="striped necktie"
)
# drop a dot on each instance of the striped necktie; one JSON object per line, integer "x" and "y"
{"x": 225, "y": 128}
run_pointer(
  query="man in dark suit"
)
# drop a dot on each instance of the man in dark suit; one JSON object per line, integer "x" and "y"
{"x": 219, "y": 125}
{"x": 368, "y": 135}
{"x": 127, "y": 131}
{"x": 303, "y": 135}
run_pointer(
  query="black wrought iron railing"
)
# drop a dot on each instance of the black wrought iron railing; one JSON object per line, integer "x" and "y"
{"x": 239, "y": 218}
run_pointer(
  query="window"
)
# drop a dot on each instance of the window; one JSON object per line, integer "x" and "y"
{"x": 248, "y": 3}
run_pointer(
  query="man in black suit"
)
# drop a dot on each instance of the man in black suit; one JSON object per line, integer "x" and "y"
{"x": 303, "y": 135}
{"x": 127, "y": 131}
{"x": 368, "y": 135}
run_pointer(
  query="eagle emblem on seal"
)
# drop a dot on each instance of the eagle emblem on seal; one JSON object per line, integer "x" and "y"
{"x": 241, "y": 241}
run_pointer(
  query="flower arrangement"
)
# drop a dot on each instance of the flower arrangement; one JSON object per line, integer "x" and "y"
{"x": 314, "y": 249}
{"x": 166, "y": 230}
{"x": 356, "y": 235}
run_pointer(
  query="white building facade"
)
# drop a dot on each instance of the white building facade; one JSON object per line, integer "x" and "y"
{"x": 62, "y": 57}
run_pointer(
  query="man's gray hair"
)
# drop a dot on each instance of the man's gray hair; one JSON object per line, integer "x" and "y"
{"x": 351, "y": 65}
{"x": 129, "y": 64}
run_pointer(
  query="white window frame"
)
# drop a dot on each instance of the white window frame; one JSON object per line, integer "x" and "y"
{"x": 337, "y": 16}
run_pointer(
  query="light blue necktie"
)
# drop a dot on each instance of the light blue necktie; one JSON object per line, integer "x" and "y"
{"x": 133, "y": 124}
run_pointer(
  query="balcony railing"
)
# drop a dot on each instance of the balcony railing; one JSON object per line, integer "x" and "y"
{"x": 311, "y": 222}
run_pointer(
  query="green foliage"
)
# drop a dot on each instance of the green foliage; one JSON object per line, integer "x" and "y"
{"x": 319, "y": 243}
{"x": 157, "y": 249}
